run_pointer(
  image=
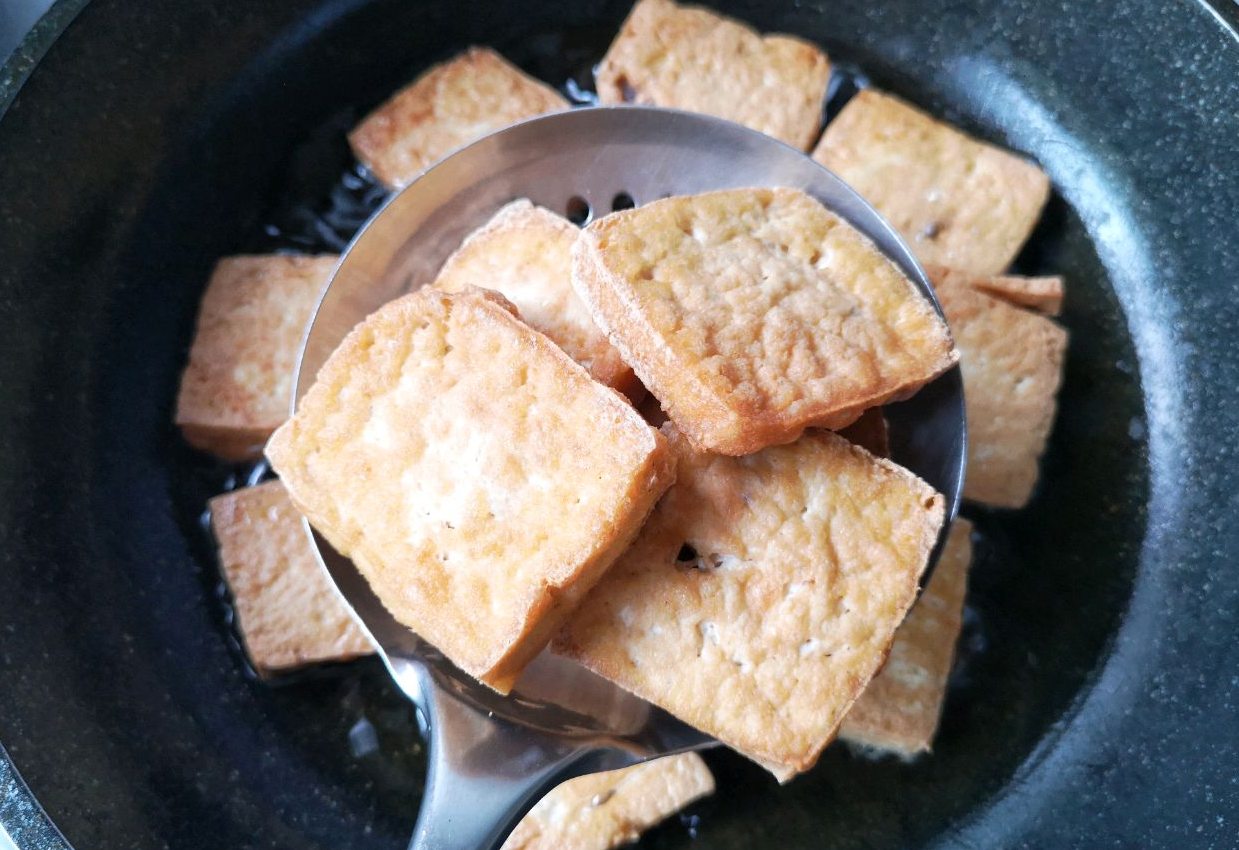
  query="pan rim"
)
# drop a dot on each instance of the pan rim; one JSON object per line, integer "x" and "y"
{"x": 22, "y": 816}
{"x": 30, "y": 52}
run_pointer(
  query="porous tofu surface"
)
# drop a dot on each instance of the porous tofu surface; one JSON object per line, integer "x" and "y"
{"x": 237, "y": 387}
{"x": 287, "y": 611}
{"x": 754, "y": 313}
{"x": 447, "y": 107}
{"x": 959, "y": 202}
{"x": 1012, "y": 365}
{"x": 476, "y": 475}
{"x": 605, "y": 810}
{"x": 524, "y": 253}
{"x": 764, "y": 593}
{"x": 899, "y": 710}
{"x": 687, "y": 57}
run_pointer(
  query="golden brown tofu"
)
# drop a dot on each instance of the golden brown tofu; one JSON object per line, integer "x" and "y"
{"x": 752, "y": 314}
{"x": 1012, "y": 365}
{"x": 477, "y": 476}
{"x": 1043, "y": 294}
{"x": 687, "y": 57}
{"x": 287, "y": 610}
{"x": 524, "y": 253}
{"x": 899, "y": 710}
{"x": 446, "y": 108}
{"x": 959, "y": 202}
{"x": 237, "y": 387}
{"x": 605, "y": 810}
{"x": 763, "y": 594}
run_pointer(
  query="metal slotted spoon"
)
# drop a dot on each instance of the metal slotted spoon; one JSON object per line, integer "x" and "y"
{"x": 492, "y": 757}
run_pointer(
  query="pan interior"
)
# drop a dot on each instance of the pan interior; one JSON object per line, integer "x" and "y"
{"x": 164, "y": 736}
{"x": 1017, "y": 672}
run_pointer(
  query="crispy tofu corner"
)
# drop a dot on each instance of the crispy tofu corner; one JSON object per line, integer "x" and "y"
{"x": 478, "y": 477}
{"x": 688, "y": 57}
{"x": 237, "y": 386}
{"x": 763, "y": 594}
{"x": 959, "y": 202}
{"x": 287, "y": 611}
{"x": 447, "y": 107}
{"x": 752, "y": 314}
{"x": 605, "y": 810}
{"x": 899, "y": 710}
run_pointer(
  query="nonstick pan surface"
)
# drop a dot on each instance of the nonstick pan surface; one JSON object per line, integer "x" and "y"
{"x": 1095, "y": 702}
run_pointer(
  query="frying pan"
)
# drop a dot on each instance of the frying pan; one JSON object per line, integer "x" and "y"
{"x": 1094, "y": 702}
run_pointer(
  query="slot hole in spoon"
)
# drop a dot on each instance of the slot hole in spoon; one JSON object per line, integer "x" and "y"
{"x": 622, "y": 201}
{"x": 578, "y": 211}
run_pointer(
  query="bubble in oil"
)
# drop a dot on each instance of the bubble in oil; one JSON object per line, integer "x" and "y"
{"x": 363, "y": 740}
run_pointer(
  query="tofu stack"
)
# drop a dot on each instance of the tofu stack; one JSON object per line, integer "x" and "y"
{"x": 745, "y": 554}
{"x": 765, "y": 591}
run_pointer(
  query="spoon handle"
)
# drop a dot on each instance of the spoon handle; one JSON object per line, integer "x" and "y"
{"x": 486, "y": 773}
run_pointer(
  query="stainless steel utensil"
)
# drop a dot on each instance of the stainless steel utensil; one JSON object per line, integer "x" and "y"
{"x": 493, "y": 757}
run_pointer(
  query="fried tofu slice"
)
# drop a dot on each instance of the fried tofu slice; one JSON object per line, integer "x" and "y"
{"x": 287, "y": 611}
{"x": 763, "y": 594}
{"x": 525, "y": 253}
{"x": 237, "y": 387}
{"x": 752, "y": 314}
{"x": 1042, "y": 294}
{"x": 447, "y": 107}
{"x": 900, "y": 709}
{"x": 1012, "y": 365}
{"x": 477, "y": 476}
{"x": 959, "y": 202}
{"x": 606, "y": 810}
{"x": 687, "y": 57}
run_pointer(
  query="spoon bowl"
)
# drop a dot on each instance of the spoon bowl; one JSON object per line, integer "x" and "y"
{"x": 492, "y": 757}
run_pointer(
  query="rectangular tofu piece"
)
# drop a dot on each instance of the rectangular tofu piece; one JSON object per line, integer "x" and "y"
{"x": 1042, "y": 294}
{"x": 525, "y": 254}
{"x": 899, "y": 711}
{"x": 447, "y": 107}
{"x": 763, "y": 594}
{"x": 687, "y": 57}
{"x": 288, "y": 612}
{"x": 237, "y": 387}
{"x": 1012, "y": 365}
{"x": 605, "y": 810}
{"x": 959, "y": 202}
{"x": 752, "y": 314}
{"x": 477, "y": 476}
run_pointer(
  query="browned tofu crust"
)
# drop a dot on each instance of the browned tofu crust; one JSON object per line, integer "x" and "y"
{"x": 752, "y": 314}
{"x": 763, "y": 594}
{"x": 287, "y": 610}
{"x": 899, "y": 710}
{"x": 1012, "y": 364}
{"x": 1043, "y": 294}
{"x": 605, "y": 810}
{"x": 477, "y": 476}
{"x": 959, "y": 202}
{"x": 525, "y": 253}
{"x": 237, "y": 387}
{"x": 447, "y": 107}
{"x": 687, "y": 57}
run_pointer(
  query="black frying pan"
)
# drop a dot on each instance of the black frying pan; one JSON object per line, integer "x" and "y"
{"x": 1095, "y": 700}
